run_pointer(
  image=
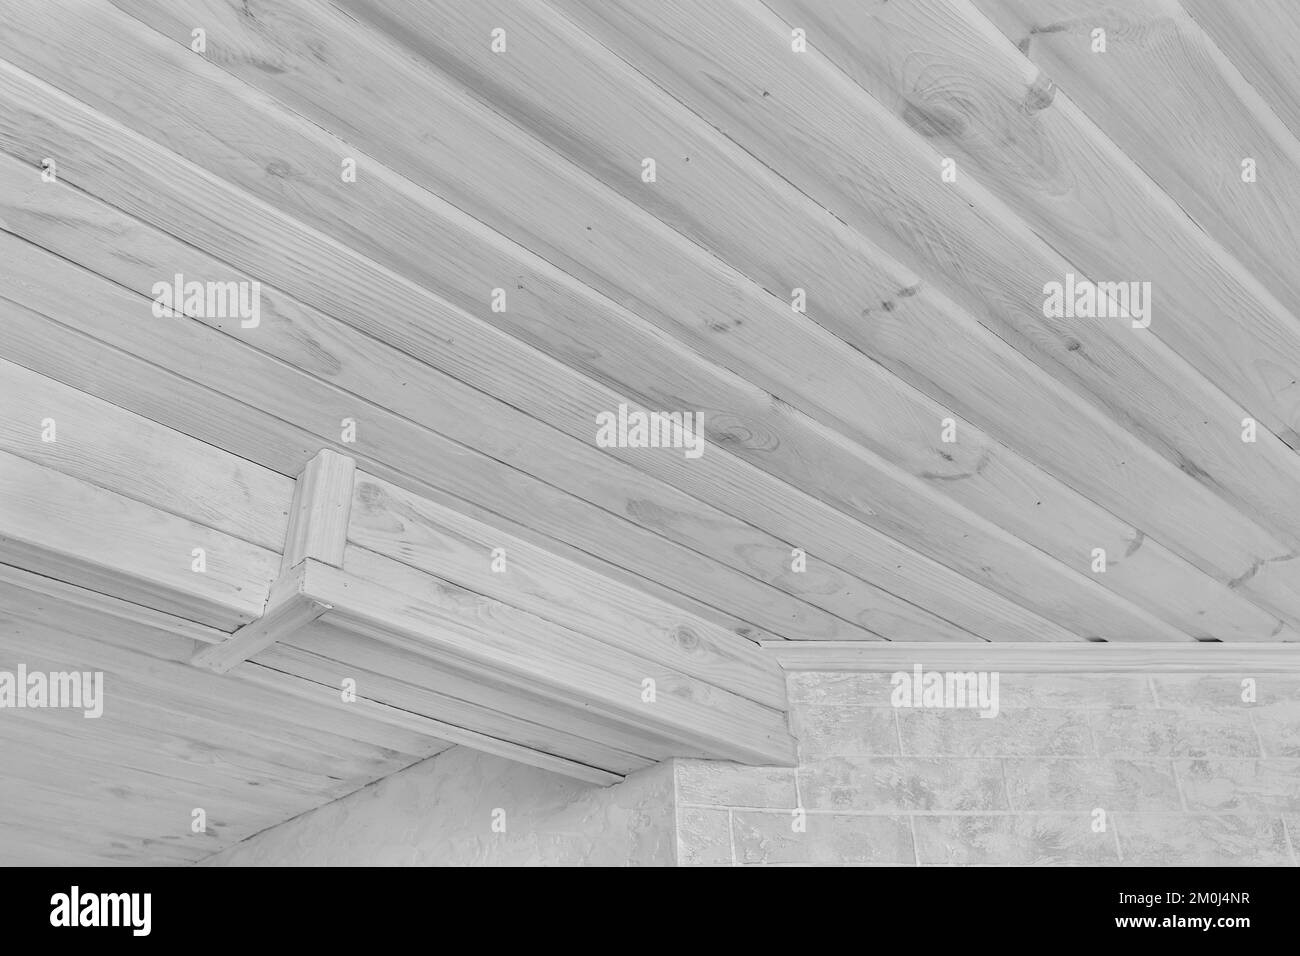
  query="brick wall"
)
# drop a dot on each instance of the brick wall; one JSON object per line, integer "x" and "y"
{"x": 1185, "y": 771}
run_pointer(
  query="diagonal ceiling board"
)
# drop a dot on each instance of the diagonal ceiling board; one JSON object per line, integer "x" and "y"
{"x": 156, "y": 657}
{"x": 819, "y": 128}
{"x": 986, "y": 552}
{"x": 972, "y": 93}
{"x": 975, "y": 97}
{"x": 153, "y": 391}
{"x": 112, "y": 313}
{"x": 106, "y": 446}
{"x": 1025, "y": 521}
{"x": 111, "y": 161}
{"x": 586, "y": 104}
{"x": 171, "y": 738}
{"x": 196, "y": 732}
{"x": 1262, "y": 39}
{"x": 1154, "y": 45}
{"x": 75, "y": 225}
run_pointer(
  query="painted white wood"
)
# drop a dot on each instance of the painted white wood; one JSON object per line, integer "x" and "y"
{"x": 318, "y": 517}
{"x": 288, "y": 609}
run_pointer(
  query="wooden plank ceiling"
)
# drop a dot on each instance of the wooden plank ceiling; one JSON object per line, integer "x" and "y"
{"x": 840, "y": 262}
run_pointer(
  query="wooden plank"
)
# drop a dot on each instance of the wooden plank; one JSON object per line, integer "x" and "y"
{"x": 322, "y": 502}
{"x": 1260, "y": 37}
{"x": 110, "y": 447}
{"x": 464, "y": 711}
{"x": 1103, "y": 611}
{"x": 37, "y": 589}
{"x": 217, "y": 767}
{"x": 171, "y": 739}
{"x": 153, "y": 654}
{"x": 420, "y": 723}
{"x": 1154, "y": 44}
{"x": 59, "y": 526}
{"x": 812, "y": 127}
{"x": 211, "y": 725}
{"x": 122, "y": 815}
{"x": 852, "y": 545}
{"x": 175, "y": 400}
{"x": 680, "y": 289}
{"x": 82, "y": 229}
{"x": 631, "y": 746}
{"x": 734, "y": 207}
{"x": 510, "y": 647}
{"x": 404, "y": 527}
{"x": 288, "y": 609}
{"x": 1200, "y": 657}
{"x": 54, "y": 846}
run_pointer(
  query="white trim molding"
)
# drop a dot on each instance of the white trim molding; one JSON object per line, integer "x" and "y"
{"x": 1192, "y": 657}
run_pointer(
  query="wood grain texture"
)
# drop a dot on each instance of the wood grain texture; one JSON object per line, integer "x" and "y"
{"x": 64, "y": 528}
{"x": 135, "y": 457}
{"x": 815, "y": 124}
{"x": 414, "y": 531}
{"x": 507, "y": 711}
{"x": 1156, "y": 44}
{"x": 428, "y": 725}
{"x": 288, "y": 610}
{"x": 481, "y": 171}
{"x": 121, "y": 789}
{"x": 733, "y": 206}
{"x": 1000, "y": 561}
{"x": 274, "y": 396}
{"x": 463, "y": 710}
{"x": 1260, "y": 37}
{"x": 78, "y": 227}
{"x": 481, "y": 636}
{"x": 318, "y": 517}
{"x": 875, "y": 556}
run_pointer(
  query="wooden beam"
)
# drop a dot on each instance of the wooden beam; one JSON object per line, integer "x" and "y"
{"x": 769, "y": 347}
{"x": 466, "y": 259}
{"x": 468, "y": 710}
{"x": 826, "y": 603}
{"x": 501, "y": 644}
{"x": 374, "y": 297}
{"x": 415, "y": 681}
{"x": 45, "y": 594}
{"x": 288, "y": 609}
{"x": 390, "y": 521}
{"x": 131, "y": 455}
{"x": 61, "y": 527}
{"x": 380, "y": 711}
{"x": 1199, "y": 657}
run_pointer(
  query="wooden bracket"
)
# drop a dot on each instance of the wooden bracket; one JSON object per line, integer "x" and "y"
{"x": 318, "y": 517}
{"x": 289, "y": 608}
{"x": 317, "y": 535}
